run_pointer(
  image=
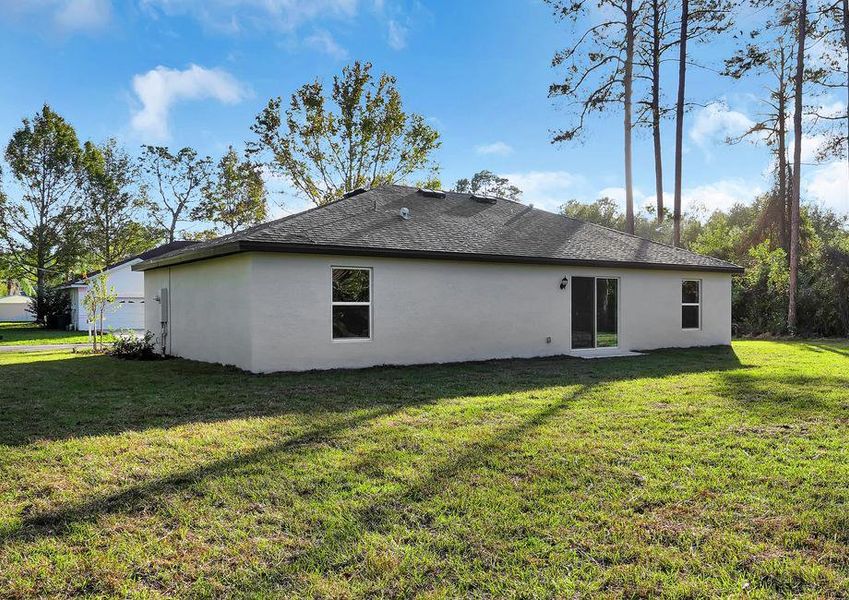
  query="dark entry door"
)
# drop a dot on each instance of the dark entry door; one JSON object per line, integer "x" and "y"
{"x": 583, "y": 312}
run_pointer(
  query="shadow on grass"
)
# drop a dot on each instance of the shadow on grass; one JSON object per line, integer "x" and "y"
{"x": 55, "y": 397}
{"x": 133, "y": 498}
{"x": 783, "y": 397}
{"x": 376, "y": 514}
{"x": 841, "y": 350}
{"x": 371, "y": 394}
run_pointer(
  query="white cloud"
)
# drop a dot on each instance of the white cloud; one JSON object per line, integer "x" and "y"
{"x": 435, "y": 122}
{"x": 828, "y": 185}
{"x": 716, "y": 122}
{"x": 160, "y": 88}
{"x": 810, "y": 145}
{"x": 831, "y": 107}
{"x": 324, "y": 42}
{"x": 397, "y": 35}
{"x": 234, "y": 16}
{"x": 700, "y": 199}
{"x": 618, "y": 194}
{"x": 722, "y": 194}
{"x": 84, "y": 15}
{"x": 546, "y": 189}
{"x": 495, "y": 148}
{"x": 66, "y": 15}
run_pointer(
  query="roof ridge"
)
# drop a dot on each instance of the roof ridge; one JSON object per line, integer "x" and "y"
{"x": 447, "y": 227}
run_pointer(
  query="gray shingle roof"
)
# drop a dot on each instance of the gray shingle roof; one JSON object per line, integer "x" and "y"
{"x": 454, "y": 227}
{"x": 169, "y": 248}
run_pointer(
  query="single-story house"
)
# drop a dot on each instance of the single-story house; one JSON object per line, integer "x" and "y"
{"x": 399, "y": 275}
{"x": 127, "y": 312}
{"x": 14, "y": 308}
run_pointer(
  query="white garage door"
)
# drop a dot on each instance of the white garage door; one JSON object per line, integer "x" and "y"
{"x": 126, "y": 313}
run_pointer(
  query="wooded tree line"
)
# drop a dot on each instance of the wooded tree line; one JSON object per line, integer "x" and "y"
{"x": 68, "y": 207}
{"x": 759, "y": 299}
{"x": 617, "y": 60}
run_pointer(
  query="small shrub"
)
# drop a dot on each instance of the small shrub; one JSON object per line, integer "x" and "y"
{"x": 131, "y": 347}
{"x": 51, "y": 308}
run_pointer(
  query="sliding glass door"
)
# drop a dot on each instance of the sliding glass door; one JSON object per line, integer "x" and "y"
{"x": 595, "y": 312}
{"x": 583, "y": 312}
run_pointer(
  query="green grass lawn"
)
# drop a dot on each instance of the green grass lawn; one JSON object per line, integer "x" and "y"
{"x": 689, "y": 473}
{"x": 23, "y": 334}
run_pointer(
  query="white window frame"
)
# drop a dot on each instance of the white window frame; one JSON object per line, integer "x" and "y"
{"x": 333, "y": 304}
{"x": 696, "y": 304}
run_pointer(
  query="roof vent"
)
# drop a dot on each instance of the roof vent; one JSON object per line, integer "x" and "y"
{"x": 484, "y": 199}
{"x": 355, "y": 192}
{"x": 405, "y": 213}
{"x": 431, "y": 193}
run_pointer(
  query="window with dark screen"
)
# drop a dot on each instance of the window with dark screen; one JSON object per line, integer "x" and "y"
{"x": 691, "y": 307}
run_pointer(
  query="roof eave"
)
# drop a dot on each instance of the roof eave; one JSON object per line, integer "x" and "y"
{"x": 189, "y": 256}
{"x": 75, "y": 284}
{"x": 254, "y": 246}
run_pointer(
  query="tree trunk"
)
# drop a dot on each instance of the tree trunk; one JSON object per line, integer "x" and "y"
{"x": 846, "y": 42}
{"x": 780, "y": 209}
{"x": 655, "y": 109}
{"x": 797, "y": 164}
{"x": 628, "y": 85}
{"x": 40, "y": 312}
{"x": 173, "y": 229}
{"x": 679, "y": 122}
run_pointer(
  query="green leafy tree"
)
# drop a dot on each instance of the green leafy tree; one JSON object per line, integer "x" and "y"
{"x": 357, "y": 136}
{"x": 488, "y": 183}
{"x": 40, "y": 227}
{"x": 837, "y": 266}
{"x": 176, "y": 181}
{"x": 605, "y": 211}
{"x": 236, "y": 196}
{"x": 111, "y": 203}
{"x": 759, "y": 301}
{"x": 99, "y": 297}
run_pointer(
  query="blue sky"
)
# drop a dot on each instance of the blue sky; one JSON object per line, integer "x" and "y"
{"x": 192, "y": 72}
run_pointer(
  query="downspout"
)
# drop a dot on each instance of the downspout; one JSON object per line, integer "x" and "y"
{"x": 165, "y": 315}
{"x": 166, "y": 324}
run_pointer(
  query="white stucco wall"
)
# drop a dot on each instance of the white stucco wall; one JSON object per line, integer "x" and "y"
{"x": 270, "y": 312}
{"x": 209, "y": 312}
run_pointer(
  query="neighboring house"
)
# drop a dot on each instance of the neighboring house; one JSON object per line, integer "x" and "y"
{"x": 398, "y": 275}
{"x": 127, "y": 312}
{"x": 14, "y": 308}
